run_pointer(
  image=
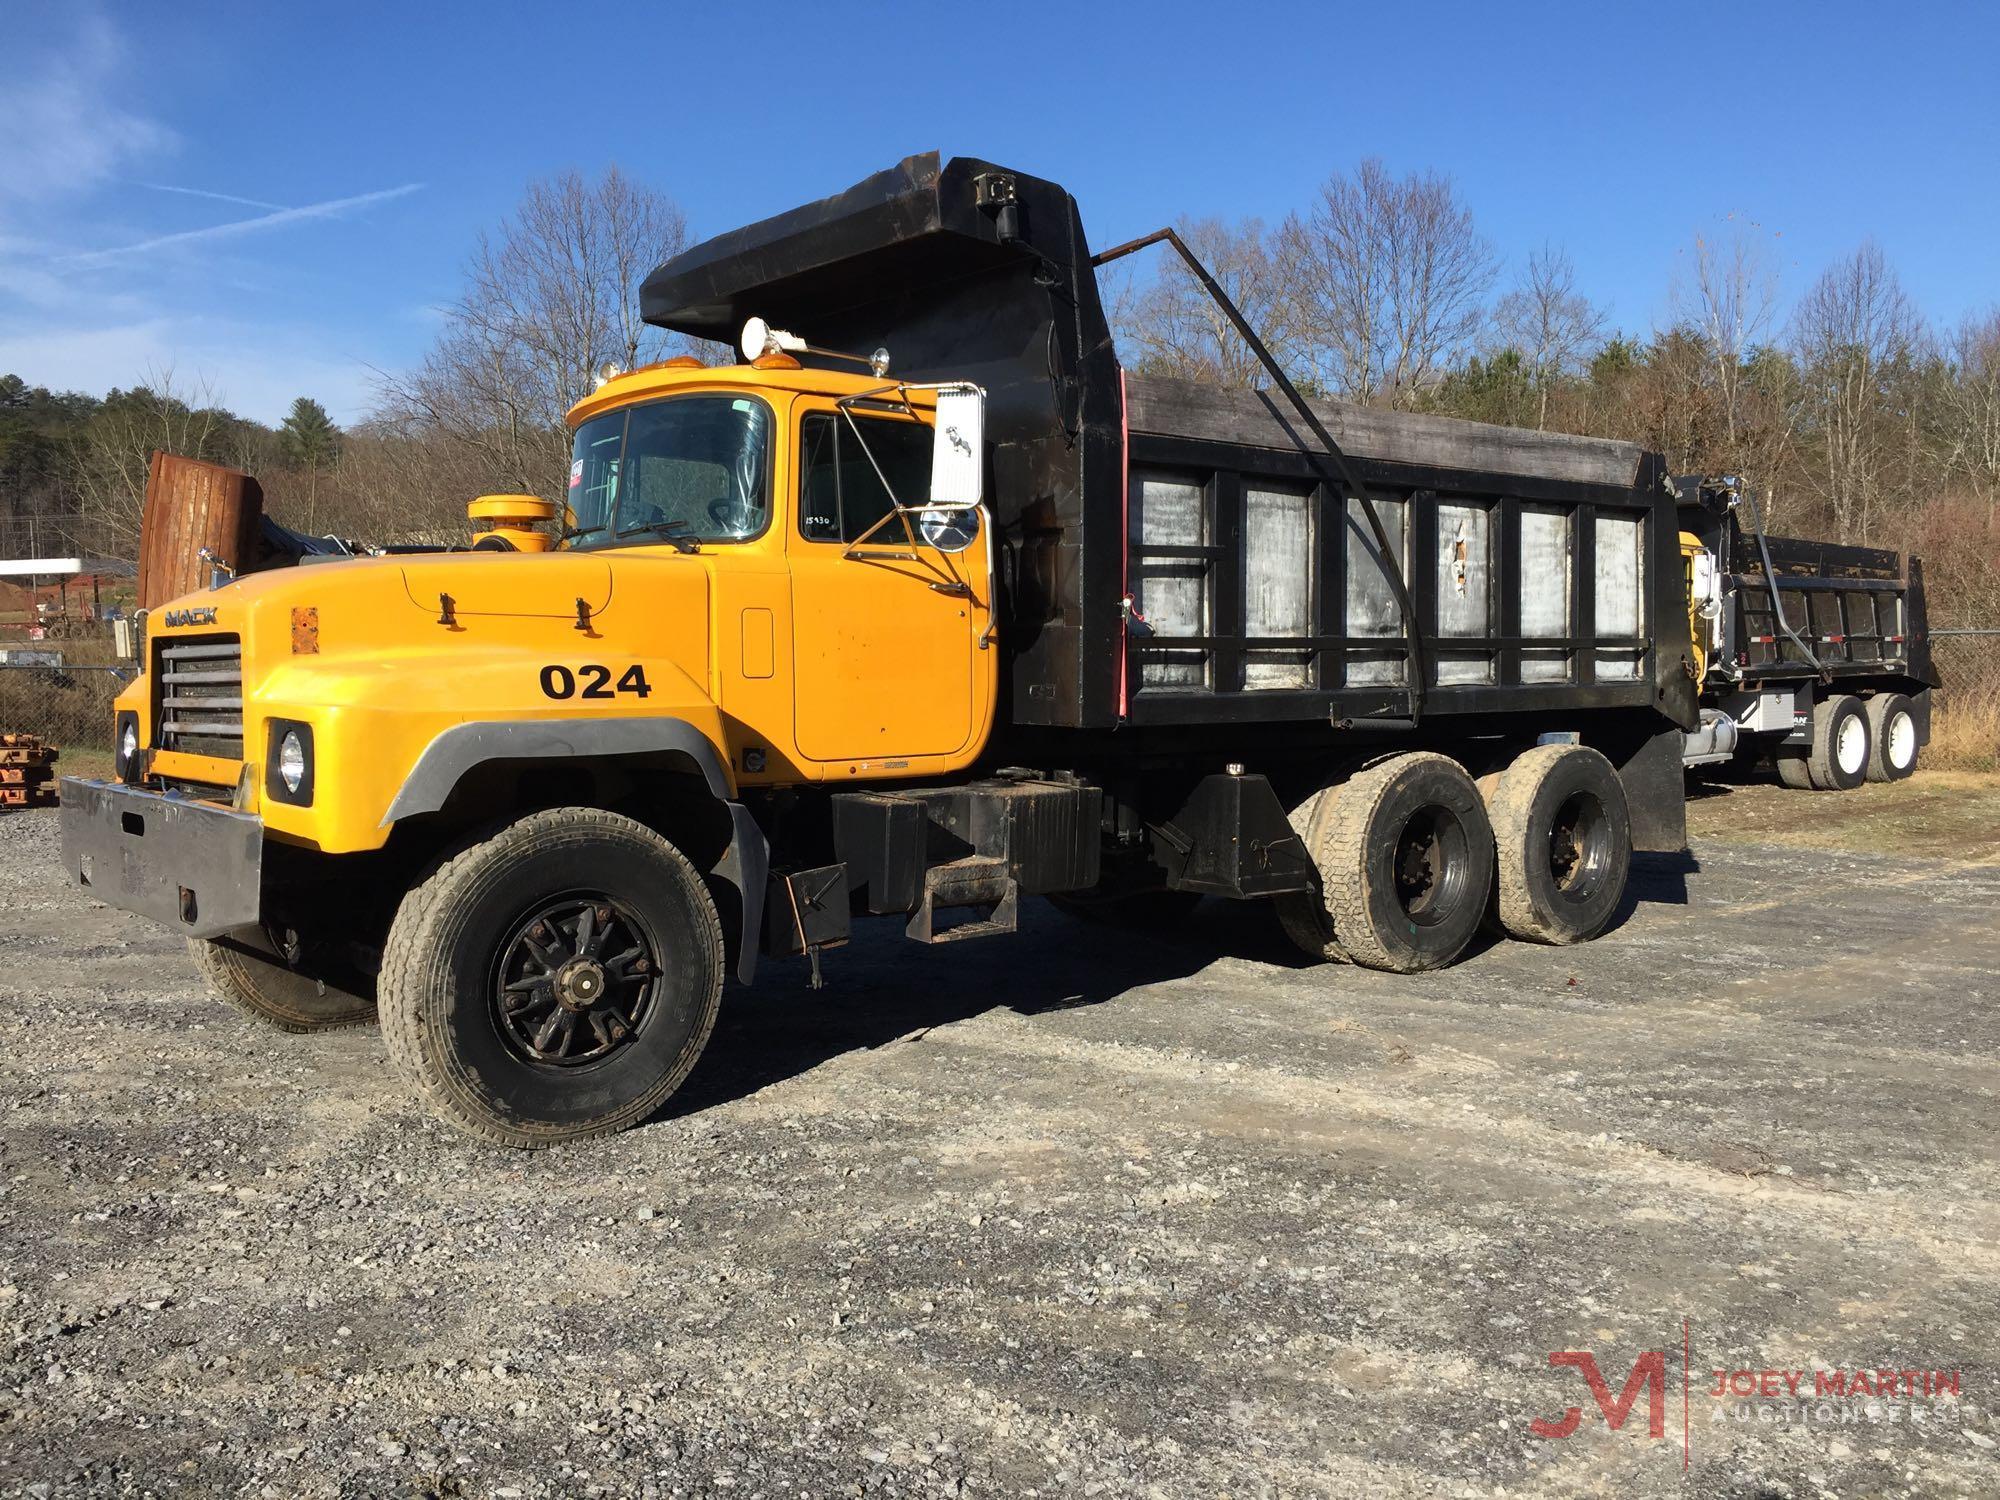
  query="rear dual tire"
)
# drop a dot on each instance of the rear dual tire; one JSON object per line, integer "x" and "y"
{"x": 1407, "y": 853}
{"x": 1404, "y": 853}
{"x": 1562, "y": 837}
{"x": 1846, "y": 746}
{"x": 1303, "y": 914}
{"x": 1841, "y": 744}
{"x": 1794, "y": 772}
{"x": 1893, "y": 737}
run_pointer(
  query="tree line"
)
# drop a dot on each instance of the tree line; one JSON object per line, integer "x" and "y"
{"x": 73, "y": 467}
{"x": 1852, "y": 414}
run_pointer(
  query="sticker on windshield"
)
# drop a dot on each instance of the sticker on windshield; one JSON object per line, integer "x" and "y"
{"x": 575, "y": 473}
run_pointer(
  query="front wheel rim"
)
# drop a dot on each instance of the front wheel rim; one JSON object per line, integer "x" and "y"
{"x": 576, "y": 981}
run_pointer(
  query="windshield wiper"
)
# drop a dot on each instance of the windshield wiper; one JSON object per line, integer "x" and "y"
{"x": 672, "y": 529}
{"x": 571, "y": 533}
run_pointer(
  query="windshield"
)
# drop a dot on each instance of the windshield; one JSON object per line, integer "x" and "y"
{"x": 691, "y": 466}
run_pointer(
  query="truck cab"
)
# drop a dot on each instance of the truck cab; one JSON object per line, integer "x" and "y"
{"x": 752, "y": 551}
{"x": 848, "y": 621}
{"x": 762, "y": 576}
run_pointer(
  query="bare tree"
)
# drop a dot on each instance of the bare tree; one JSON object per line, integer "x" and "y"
{"x": 549, "y": 298}
{"x": 1972, "y": 402}
{"x": 110, "y": 454}
{"x": 1173, "y": 327}
{"x": 1856, "y": 334}
{"x": 1675, "y": 402}
{"x": 398, "y": 486}
{"x": 1388, "y": 277}
{"x": 1553, "y": 326}
{"x": 1727, "y": 293}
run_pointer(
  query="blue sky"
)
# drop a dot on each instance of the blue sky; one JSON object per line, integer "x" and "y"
{"x": 276, "y": 202}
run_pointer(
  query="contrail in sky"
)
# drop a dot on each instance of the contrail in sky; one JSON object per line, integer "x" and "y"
{"x": 331, "y": 208}
{"x": 168, "y": 187}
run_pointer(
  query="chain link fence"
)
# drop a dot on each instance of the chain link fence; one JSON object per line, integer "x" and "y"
{"x": 1965, "y": 712}
{"x": 61, "y": 689}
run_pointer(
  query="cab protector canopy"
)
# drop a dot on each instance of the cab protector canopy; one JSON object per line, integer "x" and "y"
{"x": 969, "y": 271}
{"x": 964, "y": 272}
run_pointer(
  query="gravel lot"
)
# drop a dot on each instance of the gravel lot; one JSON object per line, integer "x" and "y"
{"x": 1071, "y": 1214}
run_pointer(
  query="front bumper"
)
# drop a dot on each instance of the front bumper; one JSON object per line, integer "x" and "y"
{"x": 188, "y": 865}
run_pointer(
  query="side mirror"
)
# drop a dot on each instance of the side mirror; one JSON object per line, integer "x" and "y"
{"x": 958, "y": 447}
{"x": 949, "y": 530}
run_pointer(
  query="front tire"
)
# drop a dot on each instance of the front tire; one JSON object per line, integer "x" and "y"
{"x": 251, "y": 973}
{"x": 554, "y": 981}
{"x": 1892, "y": 737}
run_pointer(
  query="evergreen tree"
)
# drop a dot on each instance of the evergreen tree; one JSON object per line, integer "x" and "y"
{"x": 309, "y": 440}
{"x": 308, "y": 436}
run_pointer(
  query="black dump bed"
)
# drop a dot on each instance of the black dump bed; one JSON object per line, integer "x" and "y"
{"x": 1182, "y": 554}
{"x": 1840, "y": 611}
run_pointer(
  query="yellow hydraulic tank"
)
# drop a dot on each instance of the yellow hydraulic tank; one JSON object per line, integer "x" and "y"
{"x": 513, "y": 523}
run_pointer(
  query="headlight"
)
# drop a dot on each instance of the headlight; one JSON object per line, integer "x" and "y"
{"x": 288, "y": 763}
{"x": 125, "y": 747}
{"x": 292, "y": 761}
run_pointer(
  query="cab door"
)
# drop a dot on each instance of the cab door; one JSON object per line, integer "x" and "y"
{"x": 886, "y": 635}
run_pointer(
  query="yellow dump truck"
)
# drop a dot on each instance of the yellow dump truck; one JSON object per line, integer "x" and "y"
{"x": 925, "y": 607}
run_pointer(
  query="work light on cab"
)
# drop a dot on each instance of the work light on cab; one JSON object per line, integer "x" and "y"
{"x": 761, "y": 339}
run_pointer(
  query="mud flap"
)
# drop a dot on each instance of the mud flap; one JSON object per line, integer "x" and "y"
{"x": 1655, "y": 783}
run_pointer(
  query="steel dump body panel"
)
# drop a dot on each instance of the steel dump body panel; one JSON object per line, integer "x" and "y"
{"x": 1861, "y": 610}
{"x": 1181, "y": 430}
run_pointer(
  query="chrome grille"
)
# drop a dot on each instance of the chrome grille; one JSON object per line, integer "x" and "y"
{"x": 200, "y": 705}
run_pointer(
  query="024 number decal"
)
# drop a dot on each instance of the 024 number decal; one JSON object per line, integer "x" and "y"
{"x": 559, "y": 681}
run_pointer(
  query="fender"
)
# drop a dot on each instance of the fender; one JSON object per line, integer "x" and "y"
{"x": 745, "y": 864}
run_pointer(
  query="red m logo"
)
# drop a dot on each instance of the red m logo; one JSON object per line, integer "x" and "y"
{"x": 1648, "y": 1371}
